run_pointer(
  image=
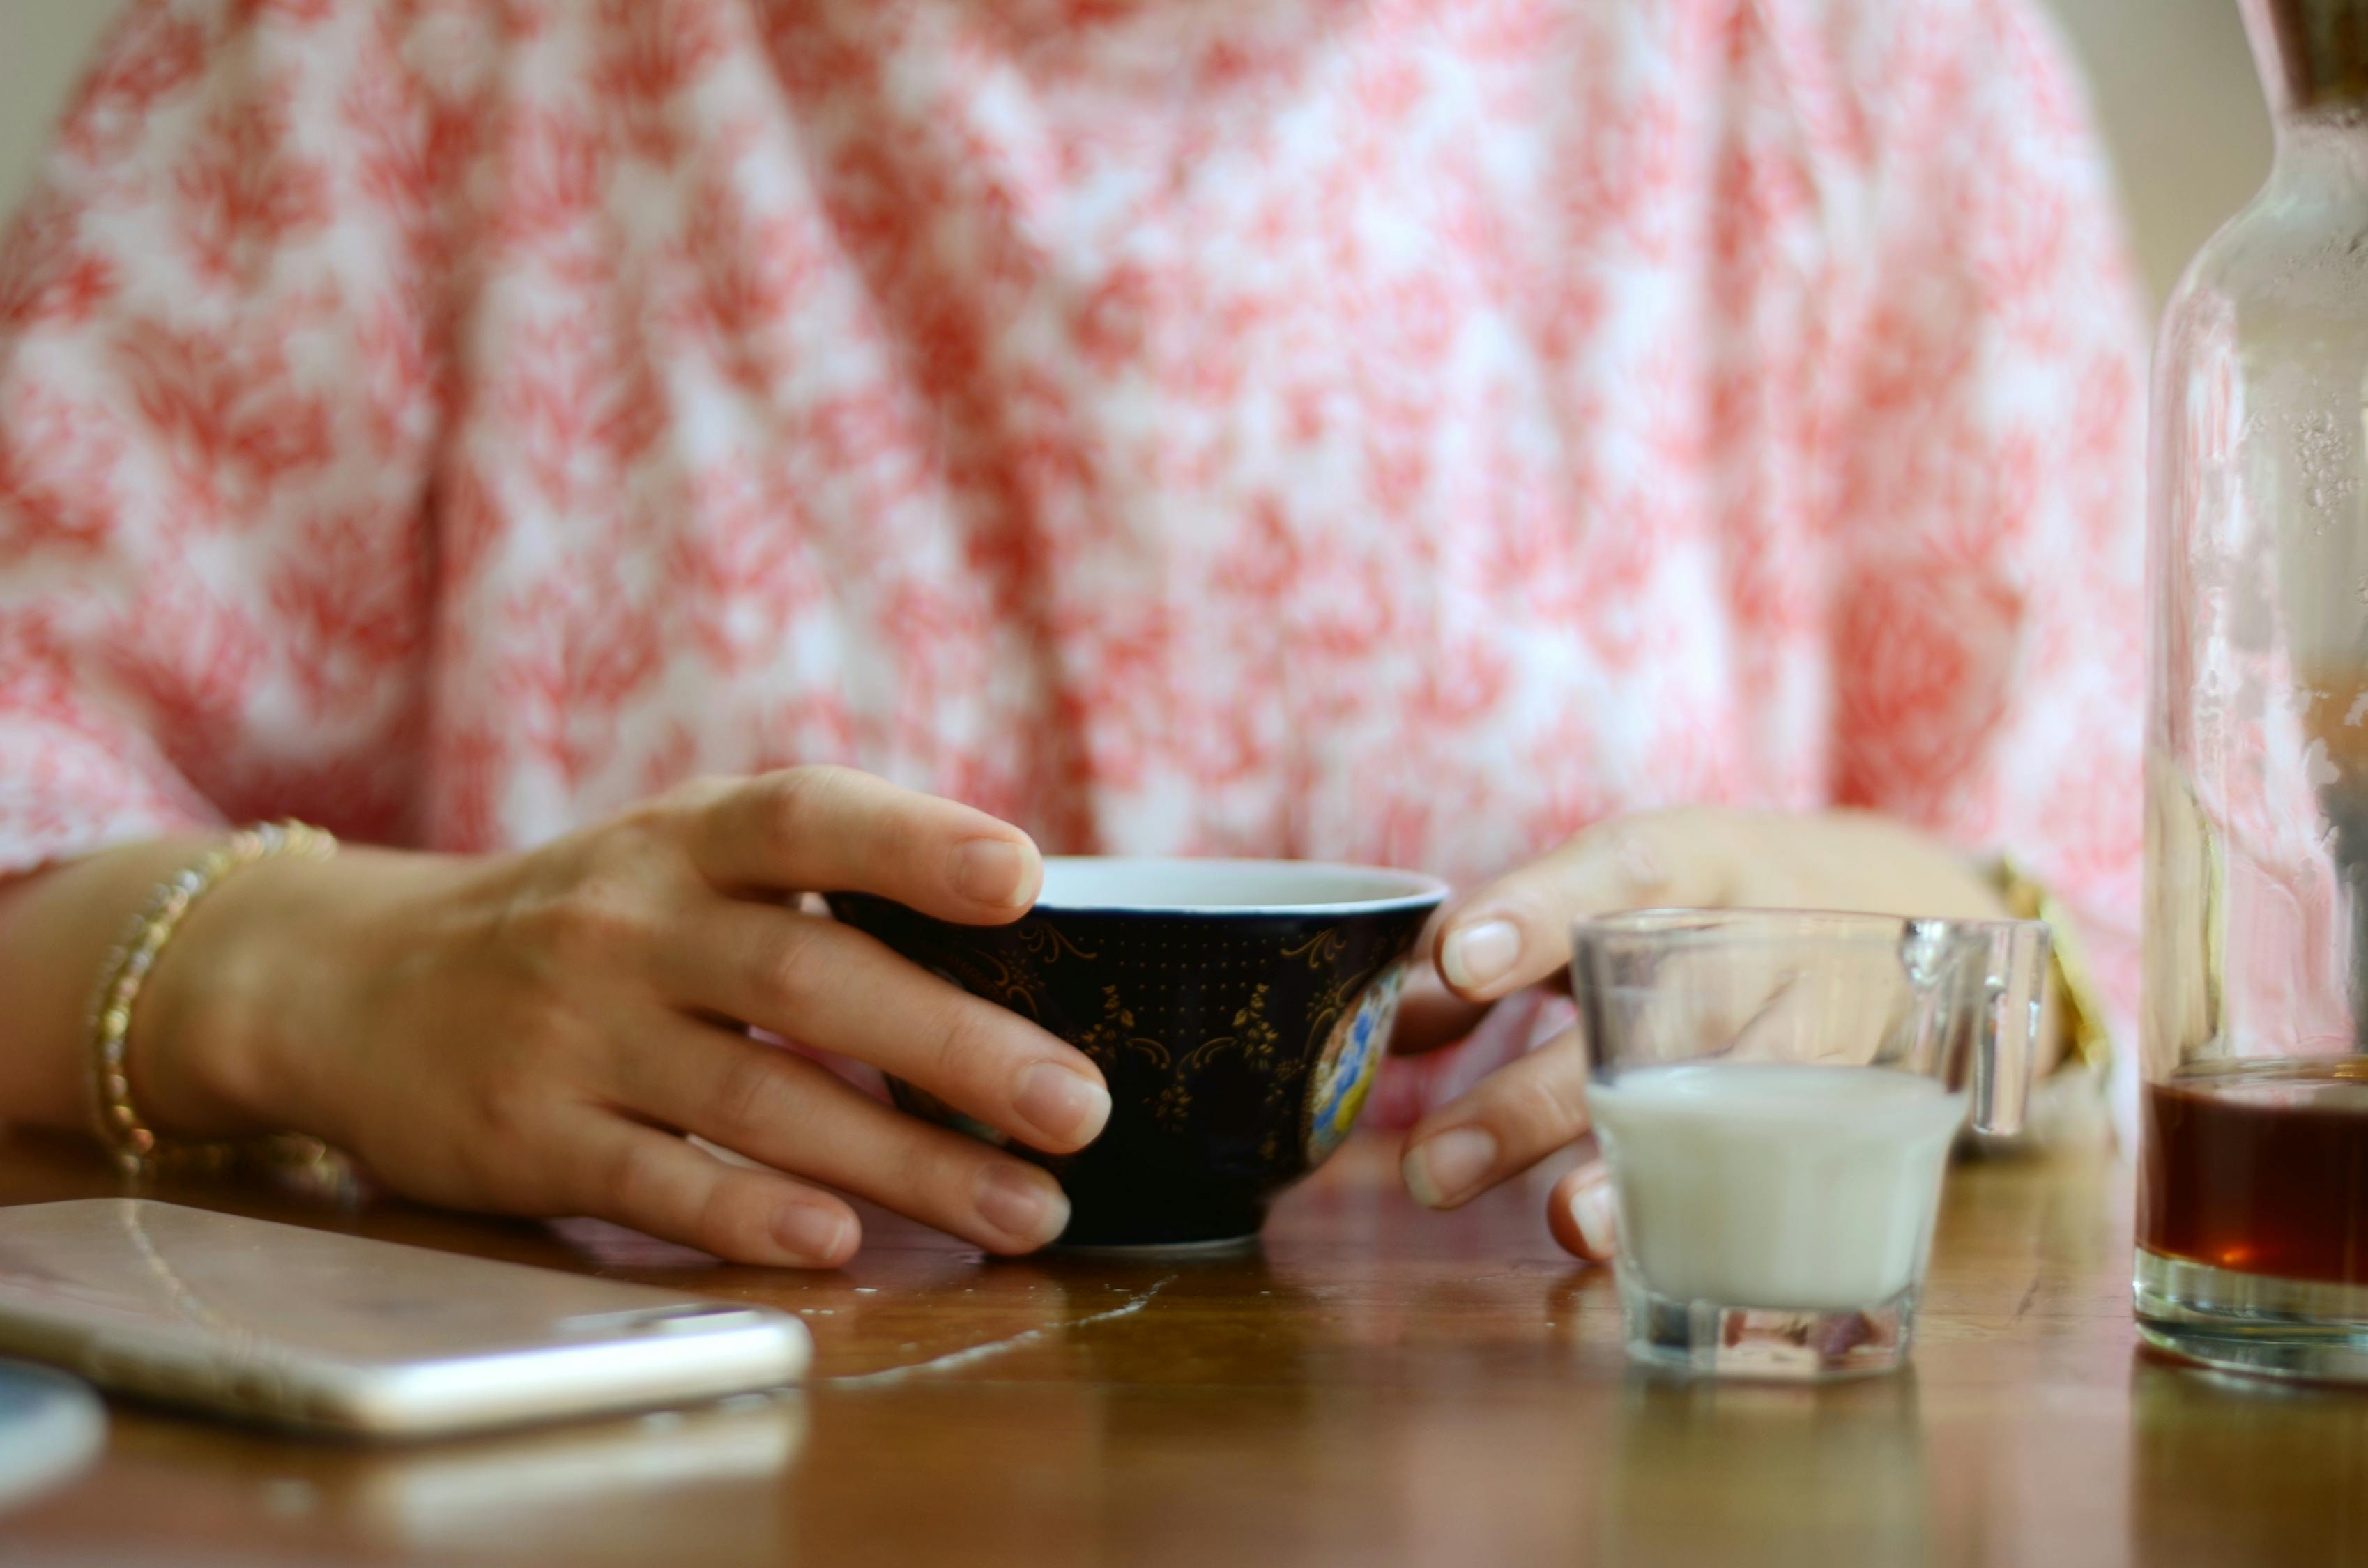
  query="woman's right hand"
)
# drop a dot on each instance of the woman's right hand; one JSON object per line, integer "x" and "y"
{"x": 530, "y": 1033}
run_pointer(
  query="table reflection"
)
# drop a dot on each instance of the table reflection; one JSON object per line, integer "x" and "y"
{"x": 1709, "y": 1471}
{"x": 2234, "y": 1469}
{"x": 714, "y": 1474}
{"x": 711, "y": 1483}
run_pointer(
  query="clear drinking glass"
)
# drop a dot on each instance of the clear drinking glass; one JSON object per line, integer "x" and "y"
{"x": 1776, "y": 1093}
{"x": 2252, "y": 1229}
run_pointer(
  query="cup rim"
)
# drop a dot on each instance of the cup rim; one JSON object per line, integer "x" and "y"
{"x": 1708, "y": 920}
{"x": 1331, "y": 887}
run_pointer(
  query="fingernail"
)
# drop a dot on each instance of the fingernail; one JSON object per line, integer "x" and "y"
{"x": 1027, "y": 1209}
{"x": 1476, "y": 955}
{"x": 814, "y": 1235}
{"x": 1066, "y": 1108}
{"x": 1442, "y": 1170}
{"x": 987, "y": 869}
{"x": 1591, "y": 1209}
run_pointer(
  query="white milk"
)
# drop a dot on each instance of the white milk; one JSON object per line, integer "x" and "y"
{"x": 1776, "y": 1184}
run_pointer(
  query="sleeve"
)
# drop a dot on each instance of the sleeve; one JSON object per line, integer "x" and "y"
{"x": 219, "y": 374}
{"x": 1983, "y": 438}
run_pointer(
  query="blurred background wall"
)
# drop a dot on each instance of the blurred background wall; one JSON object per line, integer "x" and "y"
{"x": 2173, "y": 87}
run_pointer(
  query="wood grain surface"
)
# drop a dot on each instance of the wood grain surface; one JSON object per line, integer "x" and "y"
{"x": 1377, "y": 1385}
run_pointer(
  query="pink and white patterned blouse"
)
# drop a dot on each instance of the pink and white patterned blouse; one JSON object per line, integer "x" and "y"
{"x": 1385, "y": 431}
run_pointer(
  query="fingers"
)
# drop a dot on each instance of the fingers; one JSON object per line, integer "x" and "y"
{"x": 1583, "y": 1215}
{"x": 832, "y": 829}
{"x": 828, "y": 985}
{"x": 652, "y": 1181}
{"x": 1516, "y": 930}
{"x": 1510, "y": 1119}
{"x": 777, "y": 1108}
{"x": 1509, "y": 1122}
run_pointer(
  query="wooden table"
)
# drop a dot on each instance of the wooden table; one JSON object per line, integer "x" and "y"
{"x": 1380, "y": 1385}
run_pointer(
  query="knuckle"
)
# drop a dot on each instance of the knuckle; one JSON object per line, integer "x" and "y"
{"x": 725, "y": 1224}
{"x": 646, "y": 818}
{"x": 804, "y": 803}
{"x": 753, "y": 1095}
{"x": 691, "y": 794}
{"x": 537, "y": 1046}
{"x": 611, "y": 906}
{"x": 1532, "y": 1110}
{"x": 1636, "y": 857}
{"x": 793, "y": 966}
{"x": 1559, "y": 1106}
{"x": 964, "y": 1047}
{"x": 678, "y": 821}
{"x": 633, "y": 1185}
{"x": 594, "y": 919}
{"x": 942, "y": 1182}
{"x": 511, "y": 1098}
{"x": 936, "y": 1174}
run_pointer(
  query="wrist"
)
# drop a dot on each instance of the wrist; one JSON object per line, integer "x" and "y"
{"x": 206, "y": 1049}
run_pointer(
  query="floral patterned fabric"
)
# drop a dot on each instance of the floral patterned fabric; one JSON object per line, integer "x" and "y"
{"x": 1384, "y": 430}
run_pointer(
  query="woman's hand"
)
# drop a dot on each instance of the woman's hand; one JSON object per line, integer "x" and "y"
{"x": 532, "y": 1033}
{"x": 1515, "y": 932}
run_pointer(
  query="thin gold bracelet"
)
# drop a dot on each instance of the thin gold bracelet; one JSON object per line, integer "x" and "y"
{"x": 133, "y": 1146}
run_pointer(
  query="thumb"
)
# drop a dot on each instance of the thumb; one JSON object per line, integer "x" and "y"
{"x": 1515, "y": 931}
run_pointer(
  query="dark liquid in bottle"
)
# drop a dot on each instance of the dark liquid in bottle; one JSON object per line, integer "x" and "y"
{"x": 2260, "y": 1171}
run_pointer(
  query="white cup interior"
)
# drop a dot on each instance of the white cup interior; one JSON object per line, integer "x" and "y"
{"x": 1200, "y": 887}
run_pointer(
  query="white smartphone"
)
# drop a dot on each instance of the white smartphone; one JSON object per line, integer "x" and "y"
{"x": 318, "y": 1330}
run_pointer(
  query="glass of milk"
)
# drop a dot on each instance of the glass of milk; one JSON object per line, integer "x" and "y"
{"x": 1776, "y": 1093}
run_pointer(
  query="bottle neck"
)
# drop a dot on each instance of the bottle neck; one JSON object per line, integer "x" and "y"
{"x": 2312, "y": 56}
{"x": 2323, "y": 149}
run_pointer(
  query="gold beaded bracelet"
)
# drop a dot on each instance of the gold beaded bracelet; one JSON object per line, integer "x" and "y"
{"x": 130, "y": 1142}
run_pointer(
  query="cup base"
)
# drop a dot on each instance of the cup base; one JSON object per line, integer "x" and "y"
{"x": 1216, "y": 1246}
{"x": 1765, "y": 1343}
{"x": 1165, "y": 1216}
{"x": 2257, "y": 1324}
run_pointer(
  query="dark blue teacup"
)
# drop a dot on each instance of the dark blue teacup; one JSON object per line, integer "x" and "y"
{"x": 1237, "y": 1008}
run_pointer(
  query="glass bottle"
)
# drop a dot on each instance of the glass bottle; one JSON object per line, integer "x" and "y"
{"x": 2253, "y": 1194}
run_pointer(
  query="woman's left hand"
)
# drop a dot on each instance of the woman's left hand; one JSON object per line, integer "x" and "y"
{"x": 1515, "y": 932}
